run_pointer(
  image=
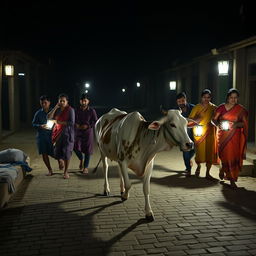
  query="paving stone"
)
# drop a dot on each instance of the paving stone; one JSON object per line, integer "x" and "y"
{"x": 52, "y": 216}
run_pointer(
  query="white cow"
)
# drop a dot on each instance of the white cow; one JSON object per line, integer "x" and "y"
{"x": 130, "y": 140}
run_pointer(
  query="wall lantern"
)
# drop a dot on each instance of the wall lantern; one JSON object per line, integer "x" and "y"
{"x": 172, "y": 85}
{"x": 9, "y": 70}
{"x": 223, "y": 67}
{"x": 138, "y": 84}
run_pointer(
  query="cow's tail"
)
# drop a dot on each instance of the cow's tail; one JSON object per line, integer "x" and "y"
{"x": 95, "y": 169}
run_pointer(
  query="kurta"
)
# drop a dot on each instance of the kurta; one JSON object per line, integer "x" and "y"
{"x": 65, "y": 143}
{"x": 205, "y": 145}
{"x": 84, "y": 138}
{"x": 232, "y": 143}
{"x": 43, "y": 136}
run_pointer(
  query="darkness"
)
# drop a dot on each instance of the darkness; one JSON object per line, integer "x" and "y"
{"x": 114, "y": 44}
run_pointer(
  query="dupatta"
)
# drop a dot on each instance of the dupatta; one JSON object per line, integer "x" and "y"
{"x": 58, "y": 128}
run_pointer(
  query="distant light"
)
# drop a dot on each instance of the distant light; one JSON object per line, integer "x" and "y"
{"x": 87, "y": 85}
{"x": 123, "y": 90}
{"x": 9, "y": 70}
{"x": 138, "y": 84}
{"x": 21, "y": 74}
{"x": 173, "y": 85}
{"x": 86, "y": 91}
{"x": 223, "y": 67}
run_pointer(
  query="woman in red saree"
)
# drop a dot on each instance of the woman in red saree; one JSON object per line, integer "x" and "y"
{"x": 231, "y": 140}
{"x": 63, "y": 132}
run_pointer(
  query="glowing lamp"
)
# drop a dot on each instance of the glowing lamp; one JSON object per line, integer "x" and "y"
{"x": 223, "y": 67}
{"x": 123, "y": 90}
{"x": 49, "y": 124}
{"x": 138, "y": 84}
{"x": 9, "y": 70}
{"x": 87, "y": 85}
{"x": 198, "y": 130}
{"x": 224, "y": 125}
{"x": 172, "y": 85}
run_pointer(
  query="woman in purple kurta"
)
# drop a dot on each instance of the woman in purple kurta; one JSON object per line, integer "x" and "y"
{"x": 63, "y": 132}
{"x": 85, "y": 119}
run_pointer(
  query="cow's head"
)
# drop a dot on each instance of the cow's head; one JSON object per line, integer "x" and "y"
{"x": 175, "y": 129}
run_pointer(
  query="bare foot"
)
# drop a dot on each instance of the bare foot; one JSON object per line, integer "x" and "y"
{"x": 66, "y": 176}
{"x": 85, "y": 171}
{"x": 61, "y": 164}
{"x": 50, "y": 173}
{"x": 197, "y": 173}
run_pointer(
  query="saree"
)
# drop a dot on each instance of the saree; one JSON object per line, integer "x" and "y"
{"x": 232, "y": 143}
{"x": 58, "y": 128}
{"x": 206, "y": 144}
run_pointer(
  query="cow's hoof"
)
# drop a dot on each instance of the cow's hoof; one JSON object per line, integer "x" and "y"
{"x": 150, "y": 218}
{"x": 106, "y": 193}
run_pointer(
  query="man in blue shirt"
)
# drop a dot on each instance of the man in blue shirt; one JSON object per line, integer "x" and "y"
{"x": 43, "y": 136}
{"x": 185, "y": 107}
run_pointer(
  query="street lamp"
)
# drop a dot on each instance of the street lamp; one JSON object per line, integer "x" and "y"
{"x": 9, "y": 70}
{"x": 172, "y": 85}
{"x": 223, "y": 67}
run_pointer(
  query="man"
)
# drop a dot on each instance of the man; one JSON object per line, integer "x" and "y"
{"x": 185, "y": 107}
{"x": 43, "y": 137}
{"x": 85, "y": 119}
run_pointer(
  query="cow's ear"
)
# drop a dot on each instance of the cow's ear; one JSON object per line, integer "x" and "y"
{"x": 154, "y": 126}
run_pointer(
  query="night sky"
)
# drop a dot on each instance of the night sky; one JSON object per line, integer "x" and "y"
{"x": 115, "y": 43}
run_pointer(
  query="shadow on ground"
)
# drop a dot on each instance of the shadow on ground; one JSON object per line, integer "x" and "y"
{"x": 240, "y": 201}
{"x": 58, "y": 228}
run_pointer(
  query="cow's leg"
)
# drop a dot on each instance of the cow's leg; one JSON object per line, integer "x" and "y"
{"x": 146, "y": 191}
{"x": 125, "y": 176}
{"x": 105, "y": 171}
{"x": 122, "y": 189}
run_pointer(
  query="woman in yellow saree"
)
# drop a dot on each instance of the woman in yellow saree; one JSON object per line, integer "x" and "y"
{"x": 231, "y": 139}
{"x": 204, "y": 134}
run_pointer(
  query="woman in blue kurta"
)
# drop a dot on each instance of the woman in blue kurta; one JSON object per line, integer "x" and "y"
{"x": 43, "y": 136}
{"x": 63, "y": 131}
{"x": 85, "y": 120}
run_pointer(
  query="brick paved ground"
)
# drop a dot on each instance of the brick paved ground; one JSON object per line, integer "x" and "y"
{"x": 193, "y": 216}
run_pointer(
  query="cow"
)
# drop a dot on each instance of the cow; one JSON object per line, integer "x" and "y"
{"x": 133, "y": 143}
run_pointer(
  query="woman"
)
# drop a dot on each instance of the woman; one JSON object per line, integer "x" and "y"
{"x": 63, "y": 132}
{"x": 85, "y": 120}
{"x": 205, "y": 143}
{"x": 232, "y": 140}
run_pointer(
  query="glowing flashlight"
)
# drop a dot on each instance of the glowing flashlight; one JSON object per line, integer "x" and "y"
{"x": 49, "y": 124}
{"x": 224, "y": 125}
{"x": 198, "y": 130}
